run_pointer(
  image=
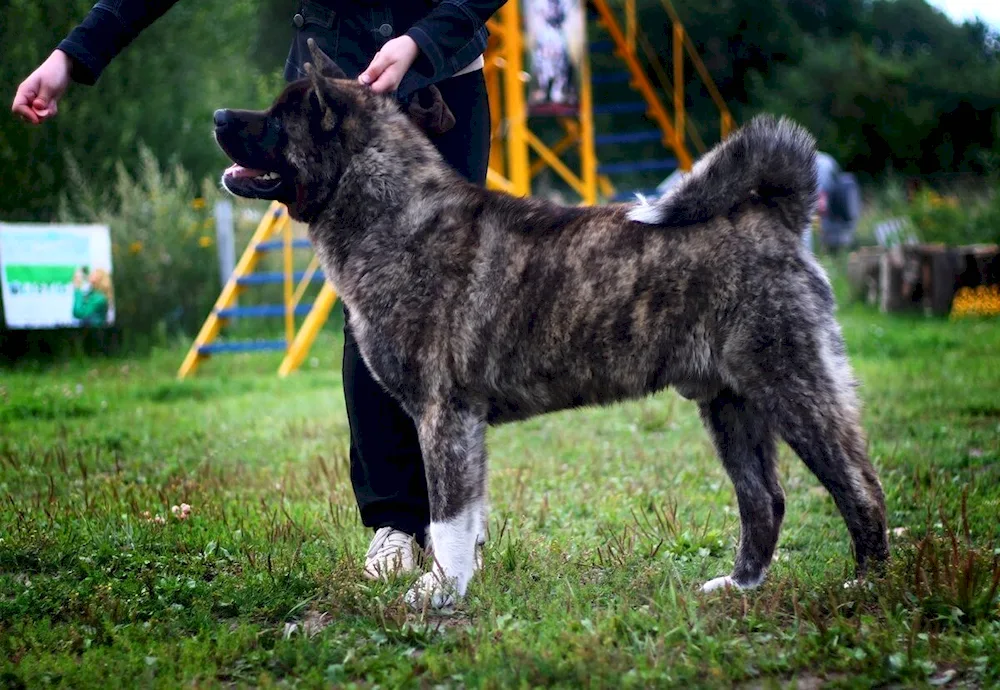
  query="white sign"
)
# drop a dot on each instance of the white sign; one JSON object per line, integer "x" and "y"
{"x": 54, "y": 276}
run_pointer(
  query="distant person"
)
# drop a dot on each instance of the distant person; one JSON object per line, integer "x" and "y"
{"x": 92, "y": 297}
{"x": 839, "y": 204}
{"x": 396, "y": 46}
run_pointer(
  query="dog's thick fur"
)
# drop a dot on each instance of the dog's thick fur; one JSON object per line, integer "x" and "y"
{"x": 473, "y": 307}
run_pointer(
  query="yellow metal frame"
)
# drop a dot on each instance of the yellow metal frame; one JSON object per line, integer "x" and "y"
{"x": 511, "y": 166}
{"x": 300, "y": 345}
{"x": 726, "y": 122}
{"x": 672, "y": 137}
{"x": 275, "y": 222}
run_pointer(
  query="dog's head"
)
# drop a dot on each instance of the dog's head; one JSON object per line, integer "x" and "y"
{"x": 296, "y": 151}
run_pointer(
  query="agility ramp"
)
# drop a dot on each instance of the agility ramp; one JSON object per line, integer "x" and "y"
{"x": 273, "y": 234}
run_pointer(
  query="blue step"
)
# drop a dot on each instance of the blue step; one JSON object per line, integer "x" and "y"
{"x": 629, "y": 137}
{"x": 268, "y": 277}
{"x": 621, "y": 108}
{"x": 276, "y": 245}
{"x": 650, "y": 194}
{"x": 611, "y": 78}
{"x": 241, "y": 346}
{"x": 638, "y": 166}
{"x": 260, "y": 311}
{"x": 602, "y": 46}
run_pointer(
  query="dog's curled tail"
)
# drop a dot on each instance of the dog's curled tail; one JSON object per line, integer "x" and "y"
{"x": 770, "y": 158}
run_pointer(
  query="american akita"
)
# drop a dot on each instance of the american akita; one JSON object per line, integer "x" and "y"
{"x": 474, "y": 307}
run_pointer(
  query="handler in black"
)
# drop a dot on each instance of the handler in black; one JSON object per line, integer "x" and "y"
{"x": 396, "y": 46}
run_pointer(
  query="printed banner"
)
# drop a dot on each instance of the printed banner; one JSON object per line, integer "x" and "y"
{"x": 56, "y": 276}
{"x": 555, "y": 32}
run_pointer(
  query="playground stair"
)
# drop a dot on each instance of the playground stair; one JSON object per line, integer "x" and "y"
{"x": 671, "y": 126}
{"x": 273, "y": 234}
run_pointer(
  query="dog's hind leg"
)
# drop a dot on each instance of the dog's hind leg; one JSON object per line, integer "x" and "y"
{"x": 453, "y": 443}
{"x": 815, "y": 409}
{"x": 746, "y": 445}
{"x": 829, "y": 439}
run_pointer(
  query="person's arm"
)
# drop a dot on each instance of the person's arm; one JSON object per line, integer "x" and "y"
{"x": 430, "y": 46}
{"x": 107, "y": 29}
{"x": 91, "y": 307}
{"x": 82, "y": 56}
{"x": 79, "y": 304}
{"x": 446, "y": 29}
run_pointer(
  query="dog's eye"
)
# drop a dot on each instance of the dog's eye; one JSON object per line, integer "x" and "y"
{"x": 272, "y": 130}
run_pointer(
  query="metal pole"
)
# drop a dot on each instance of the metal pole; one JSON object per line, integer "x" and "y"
{"x": 289, "y": 284}
{"x": 679, "y": 83}
{"x": 518, "y": 170}
{"x": 588, "y": 157}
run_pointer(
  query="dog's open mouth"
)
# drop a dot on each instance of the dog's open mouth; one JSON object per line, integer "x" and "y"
{"x": 251, "y": 183}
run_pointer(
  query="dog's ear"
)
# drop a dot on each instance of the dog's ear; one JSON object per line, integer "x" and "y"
{"x": 326, "y": 66}
{"x": 321, "y": 89}
{"x": 430, "y": 112}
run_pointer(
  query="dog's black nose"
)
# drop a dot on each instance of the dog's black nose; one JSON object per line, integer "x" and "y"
{"x": 221, "y": 117}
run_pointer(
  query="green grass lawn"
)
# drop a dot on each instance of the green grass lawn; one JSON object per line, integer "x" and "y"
{"x": 604, "y": 523}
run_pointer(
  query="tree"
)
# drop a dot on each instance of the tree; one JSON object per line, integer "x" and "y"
{"x": 161, "y": 90}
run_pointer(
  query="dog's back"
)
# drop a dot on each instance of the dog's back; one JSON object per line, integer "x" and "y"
{"x": 572, "y": 306}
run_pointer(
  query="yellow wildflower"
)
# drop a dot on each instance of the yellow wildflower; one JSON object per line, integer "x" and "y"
{"x": 198, "y": 204}
{"x": 135, "y": 248}
{"x": 979, "y": 301}
{"x": 204, "y": 241}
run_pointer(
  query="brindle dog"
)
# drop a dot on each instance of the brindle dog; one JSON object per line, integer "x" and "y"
{"x": 474, "y": 307}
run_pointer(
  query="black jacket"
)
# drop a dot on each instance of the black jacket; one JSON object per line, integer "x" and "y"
{"x": 450, "y": 33}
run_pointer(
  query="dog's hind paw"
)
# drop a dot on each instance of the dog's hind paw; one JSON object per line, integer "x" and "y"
{"x": 433, "y": 591}
{"x": 724, "y": 582}
{"x": 728, "y": 582}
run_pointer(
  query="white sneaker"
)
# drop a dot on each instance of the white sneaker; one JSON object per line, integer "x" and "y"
{"x": 391, "y": 553}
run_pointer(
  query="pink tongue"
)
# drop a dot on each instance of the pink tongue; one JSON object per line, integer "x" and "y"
{"x": 236, "y": 170}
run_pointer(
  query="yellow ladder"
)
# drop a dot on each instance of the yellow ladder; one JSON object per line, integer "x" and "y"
{"x": 275, "y": 224}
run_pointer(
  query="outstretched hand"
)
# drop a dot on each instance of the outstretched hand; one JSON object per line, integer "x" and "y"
{"x": 390, "y": 64}
{"x": 37, "y": 97}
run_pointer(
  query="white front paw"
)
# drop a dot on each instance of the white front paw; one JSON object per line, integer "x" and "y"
{"x": 725, "y": 582}
{"x": 433, "y": 590}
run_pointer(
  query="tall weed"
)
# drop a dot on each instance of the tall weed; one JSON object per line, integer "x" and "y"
{"x": 166, "y": 273}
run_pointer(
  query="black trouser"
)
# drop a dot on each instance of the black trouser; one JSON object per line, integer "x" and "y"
{"x": 387, "y": 469}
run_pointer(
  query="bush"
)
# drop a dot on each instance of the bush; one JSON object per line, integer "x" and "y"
{"x": 166, "y": 272}
{"x": 954, "y": 219}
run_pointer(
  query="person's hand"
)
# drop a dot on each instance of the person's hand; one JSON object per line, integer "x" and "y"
{"x": 37, "y": 97}
{"x": 390, "y": 64}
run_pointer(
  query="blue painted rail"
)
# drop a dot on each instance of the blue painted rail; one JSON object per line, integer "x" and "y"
{"x": 242, "y": 346}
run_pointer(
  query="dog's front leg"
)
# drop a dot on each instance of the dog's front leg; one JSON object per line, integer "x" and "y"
{"x": 453, "y": 443}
